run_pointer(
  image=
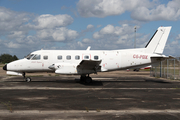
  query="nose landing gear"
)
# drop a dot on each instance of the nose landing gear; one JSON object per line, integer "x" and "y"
{"x": 27, "y": 79}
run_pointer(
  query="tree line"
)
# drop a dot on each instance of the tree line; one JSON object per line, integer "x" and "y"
{"x": 7, "y": 58}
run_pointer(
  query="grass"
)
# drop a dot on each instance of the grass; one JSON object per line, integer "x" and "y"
{"x": 56, "y": 74}
{"x": 98, "y": 110}
{"x": 8, "y": 106}
{"x": 2, "y": 65}
{"x": 87, "y": 110}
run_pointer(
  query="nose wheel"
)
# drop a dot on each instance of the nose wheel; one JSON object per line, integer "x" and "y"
{"x": 27, "y": 79}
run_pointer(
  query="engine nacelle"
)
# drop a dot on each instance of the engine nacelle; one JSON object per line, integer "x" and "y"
{"x": 64, "y": 68}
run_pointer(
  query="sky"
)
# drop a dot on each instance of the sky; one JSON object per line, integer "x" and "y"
{"x": 30, "y": 25}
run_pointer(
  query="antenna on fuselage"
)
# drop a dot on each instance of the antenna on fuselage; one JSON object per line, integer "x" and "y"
{"x": 89, "y": 47}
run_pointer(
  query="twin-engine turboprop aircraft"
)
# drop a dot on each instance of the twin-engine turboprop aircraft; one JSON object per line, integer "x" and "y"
{"x": 85, "y": 62}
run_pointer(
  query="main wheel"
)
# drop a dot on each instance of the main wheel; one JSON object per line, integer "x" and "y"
{"x": 88, "y": 80}
{"x": 83, "y": 78}
{"x": 28, "y": 79}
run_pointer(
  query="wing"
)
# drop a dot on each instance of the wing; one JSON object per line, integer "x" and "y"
{"x": 89, "y": 65}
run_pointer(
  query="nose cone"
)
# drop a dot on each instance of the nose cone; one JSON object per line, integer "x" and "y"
{"x": 5, "y": 67}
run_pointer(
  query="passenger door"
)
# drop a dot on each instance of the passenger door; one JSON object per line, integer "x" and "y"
{"x": 45, "y": 61}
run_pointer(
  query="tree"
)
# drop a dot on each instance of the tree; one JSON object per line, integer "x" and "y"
{"x": 15, "y": 57}
{"x": 6, "y": 58}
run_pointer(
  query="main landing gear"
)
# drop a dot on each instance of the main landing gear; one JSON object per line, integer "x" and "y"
{"x": 27, "y": 79}
{"x": 86, "y": 79}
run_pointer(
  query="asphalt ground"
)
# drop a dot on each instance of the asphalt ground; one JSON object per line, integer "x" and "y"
{"x": 118, "y": 95}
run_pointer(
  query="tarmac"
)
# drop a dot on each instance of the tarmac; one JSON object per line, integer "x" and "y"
{"x": 119, "y": 95}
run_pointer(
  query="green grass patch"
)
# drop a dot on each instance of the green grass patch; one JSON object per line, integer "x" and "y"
{"x": 8, "y": 106}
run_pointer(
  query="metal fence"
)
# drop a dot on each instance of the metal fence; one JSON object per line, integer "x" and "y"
{"x": 169, "y": 69}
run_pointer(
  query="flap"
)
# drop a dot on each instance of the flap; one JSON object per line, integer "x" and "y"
{"x": 89, "y": 64}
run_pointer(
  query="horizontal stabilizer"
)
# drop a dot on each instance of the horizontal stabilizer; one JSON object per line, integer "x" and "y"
{"x": 160, "y": 58}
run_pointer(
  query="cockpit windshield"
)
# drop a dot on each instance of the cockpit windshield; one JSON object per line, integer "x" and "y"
{"x": 36, "y": 57}
{"x": 29, "y": 56}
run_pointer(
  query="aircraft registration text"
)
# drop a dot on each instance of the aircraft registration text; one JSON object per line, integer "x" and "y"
{"x": 140, "y": 56}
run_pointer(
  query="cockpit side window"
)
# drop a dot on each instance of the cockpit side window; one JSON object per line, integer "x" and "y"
{"x": 29, "y": 56}
{"x": 36, "y": 57}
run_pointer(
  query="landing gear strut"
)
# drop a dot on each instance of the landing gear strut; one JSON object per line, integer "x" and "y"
{"x": 86, "y": 79}
{"x": 27, "y": 79}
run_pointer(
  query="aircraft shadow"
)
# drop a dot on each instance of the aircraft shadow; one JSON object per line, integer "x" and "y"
{"x": 21, "y": 80}
{"x": 157, "y": 81}
{"x": 93, "y": 83}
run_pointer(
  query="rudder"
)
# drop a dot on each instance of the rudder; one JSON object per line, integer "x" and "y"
{"x": 158, "y": 40}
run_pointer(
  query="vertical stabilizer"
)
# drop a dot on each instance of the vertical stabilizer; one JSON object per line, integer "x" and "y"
{"x": 158, "y": 40}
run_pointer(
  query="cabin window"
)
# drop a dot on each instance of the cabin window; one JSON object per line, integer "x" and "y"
{"x": 96, "y": 57}
{"x": 86, "y": 57}
{"x": 77, "y": 57}
{"x": 36, "y": 57}
{"x": 68, "y": 57}
{"x": 45, "y": 57}
{"x": 59, "y": 57}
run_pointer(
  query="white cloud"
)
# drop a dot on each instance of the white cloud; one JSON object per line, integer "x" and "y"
{"x": 47, "y": 21}
{"x": 103, "y": 8}
{"x": 171, "y": 11}
{"x": 178, "y": 37}
{"x": 123, "y": 39}
{"x": 63, "y": 34}
{"x": 110, "y": 31}
{"x": 17, "y": 34}
{"x": 142, "y": 10}
{"x": 86, "y": 40}
{"x": 90, "y": 26}
{"x": 59, "y": 34}
{"x": 44, "y": 34}
{"x": 79, "y": 44}
{"x": 12, "y": 45}
{"x": 98, "y": 26}
{"x": 174, "y": 42}
{"x": 11, "y": 20}
{"x": 172, "y": 47}
{"x": 113, "y": 37}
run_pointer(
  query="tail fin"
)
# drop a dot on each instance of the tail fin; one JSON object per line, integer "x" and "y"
{"x": 158, "y": 40}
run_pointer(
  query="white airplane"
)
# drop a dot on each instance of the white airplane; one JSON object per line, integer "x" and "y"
{"x": 85, "y": 62}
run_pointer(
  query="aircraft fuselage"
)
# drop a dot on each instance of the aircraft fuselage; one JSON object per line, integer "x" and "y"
{"x": 70, "y": 59}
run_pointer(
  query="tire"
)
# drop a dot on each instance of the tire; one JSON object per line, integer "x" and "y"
{"x": 88, "y": 79}
{"x": 28, "y": 79}
{"x": 83, "y": 78}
